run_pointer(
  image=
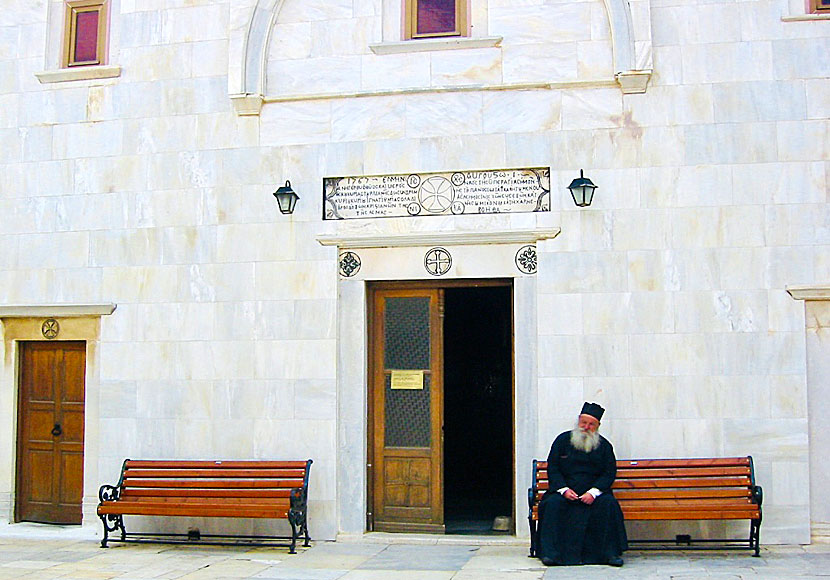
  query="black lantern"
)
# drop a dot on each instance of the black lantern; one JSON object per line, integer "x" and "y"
{"x": 286, "y": 198}
{"x": 582, "y": 190}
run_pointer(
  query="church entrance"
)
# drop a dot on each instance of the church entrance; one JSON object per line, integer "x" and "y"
{"x": 441, "y": 407}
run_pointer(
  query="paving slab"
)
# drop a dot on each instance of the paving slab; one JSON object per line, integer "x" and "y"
{"x": 423, "y": 558}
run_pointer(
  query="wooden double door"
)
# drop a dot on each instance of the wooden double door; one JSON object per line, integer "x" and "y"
{"x": 50, "y": 432}
{"x": 406, "y": 408}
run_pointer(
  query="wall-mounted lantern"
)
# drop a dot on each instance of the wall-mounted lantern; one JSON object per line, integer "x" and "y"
{"x": 286, "y": 198}
{"x": 582, "y": 190}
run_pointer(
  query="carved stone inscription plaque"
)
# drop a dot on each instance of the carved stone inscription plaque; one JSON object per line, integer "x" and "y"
{"x": 461, "y": 192}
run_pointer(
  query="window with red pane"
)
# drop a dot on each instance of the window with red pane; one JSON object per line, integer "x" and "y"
{"x": 821, "y": 6}
{"x": 430, "y": 18}
{"x": 85, "y": 37}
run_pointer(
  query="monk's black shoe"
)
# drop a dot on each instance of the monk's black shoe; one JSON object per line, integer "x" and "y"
{"x": 549, "y": 562}
{"x": 615, "y": 561}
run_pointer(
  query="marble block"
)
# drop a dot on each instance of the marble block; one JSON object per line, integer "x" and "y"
{"x": 521, "y": 112}
{"x": 371, "y": 118}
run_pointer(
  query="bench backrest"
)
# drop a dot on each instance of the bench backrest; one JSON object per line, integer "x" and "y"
{"x": 269, "y": 480}
{"x": 642, "y": 483}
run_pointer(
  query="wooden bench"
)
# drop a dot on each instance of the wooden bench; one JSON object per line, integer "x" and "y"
{"x": 229, "y": 489}
{"x": 676, "y": 489}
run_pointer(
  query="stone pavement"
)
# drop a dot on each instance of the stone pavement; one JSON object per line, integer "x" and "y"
{"x": 27, "y": 552}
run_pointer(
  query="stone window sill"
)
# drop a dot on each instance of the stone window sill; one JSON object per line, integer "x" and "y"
{"x": 429, "y": 44}
{"x": 81, "y": 73}
{"x": 805, "y": 17}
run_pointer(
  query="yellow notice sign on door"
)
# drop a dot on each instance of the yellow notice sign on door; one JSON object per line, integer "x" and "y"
{"x": 411, "y": 380}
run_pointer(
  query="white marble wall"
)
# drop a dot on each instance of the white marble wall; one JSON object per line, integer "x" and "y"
{"x": 323, "y": 47}
{"x": 664, "y": 300}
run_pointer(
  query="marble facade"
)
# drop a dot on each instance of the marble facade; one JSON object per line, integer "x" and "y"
{"x": 146, "y": 184}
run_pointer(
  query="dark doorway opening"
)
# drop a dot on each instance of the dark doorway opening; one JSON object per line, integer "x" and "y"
{"x": 478, "y": 409}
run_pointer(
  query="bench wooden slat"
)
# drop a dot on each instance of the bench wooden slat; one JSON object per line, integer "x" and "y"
{"x": 680, "y": 513}
{"x": 207, "y": 473}
{"x": 634, "y": 484}
{"x": 212, "y": 498}
{"x": 203, "y": 501}
{"x": 217, "y": 510}
{"x": 700, "y": 492}
{"x": 671, "y": 515}
{"x": 703, "y": 471}
{"x": 683, "y": 503}
{"x": 226, "y": 484}
{"x": 679, "y": 472}
{"x": 682, "y": 499}
{"x": 685, "y": 482}
{"x": 689, "y": 462}
{"x": 670, "y": 472}
{"x": 177, "y": 492}
{"x": 186, "y": 464}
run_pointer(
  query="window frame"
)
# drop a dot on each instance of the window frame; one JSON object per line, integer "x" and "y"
{"x": 817, "y": 8}
{"x": 411, "y": 21}
{"x": 73, "y": 8}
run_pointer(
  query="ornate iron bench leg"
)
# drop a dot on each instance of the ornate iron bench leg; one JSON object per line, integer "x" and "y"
{"x": 293, "y": 548}
{"x": 106, "y": 532}
{"x": 533, "y": 538}
{"x": 297, "y": 518}
{"x": 755, "y": 537}
{"x": 305, "y": 529}
{"x": 112, "y": 523}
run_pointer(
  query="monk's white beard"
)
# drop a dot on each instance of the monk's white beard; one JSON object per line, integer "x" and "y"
{"x": 585, "y": 441}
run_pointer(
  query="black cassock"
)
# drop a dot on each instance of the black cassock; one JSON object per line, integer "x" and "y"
{"x": 571, "y": 532}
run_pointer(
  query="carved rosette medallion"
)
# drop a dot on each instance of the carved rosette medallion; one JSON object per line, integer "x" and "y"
{"x": 526, "y": 259}
{"x": 50, "y": 328}
{"x": 437, "y": 261}
{"x": 349, "y": 264}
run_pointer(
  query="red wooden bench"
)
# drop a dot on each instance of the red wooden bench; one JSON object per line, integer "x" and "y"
{"x": 676, "y": 489}
{"x": 229, "y": 489}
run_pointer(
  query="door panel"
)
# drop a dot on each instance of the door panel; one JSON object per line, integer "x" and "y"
{"x": 407, "y": 414}
{"x": 72, "y": 483}
{"x": 50, "y": 432}
{"x": 40, "y": 469}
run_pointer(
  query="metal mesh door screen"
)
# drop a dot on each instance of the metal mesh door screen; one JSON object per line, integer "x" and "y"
{"x": 407, "y": 416}
{"x": 407, "y": 347}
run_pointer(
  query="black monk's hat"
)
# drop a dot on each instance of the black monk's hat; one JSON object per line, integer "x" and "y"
{"x": 592, "y": 409}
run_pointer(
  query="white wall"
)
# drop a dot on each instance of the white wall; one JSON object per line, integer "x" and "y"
{"x": 664, "y": 300}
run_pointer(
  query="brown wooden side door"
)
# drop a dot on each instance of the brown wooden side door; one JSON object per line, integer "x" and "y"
{"x": 406, "y": 414}
{"x": 50, "y": 432}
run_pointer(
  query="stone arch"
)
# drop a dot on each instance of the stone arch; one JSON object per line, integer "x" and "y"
{"x": 250, "y": 37}
{"x": 622, "y": 34}
{"x": 251, "y": 33}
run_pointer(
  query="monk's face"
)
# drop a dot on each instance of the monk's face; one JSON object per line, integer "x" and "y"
{"x": 588, "y": 423}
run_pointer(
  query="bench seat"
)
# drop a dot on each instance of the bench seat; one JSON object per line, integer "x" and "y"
{"x": 721, "y": 488}
{"x": 231, "y": 489}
